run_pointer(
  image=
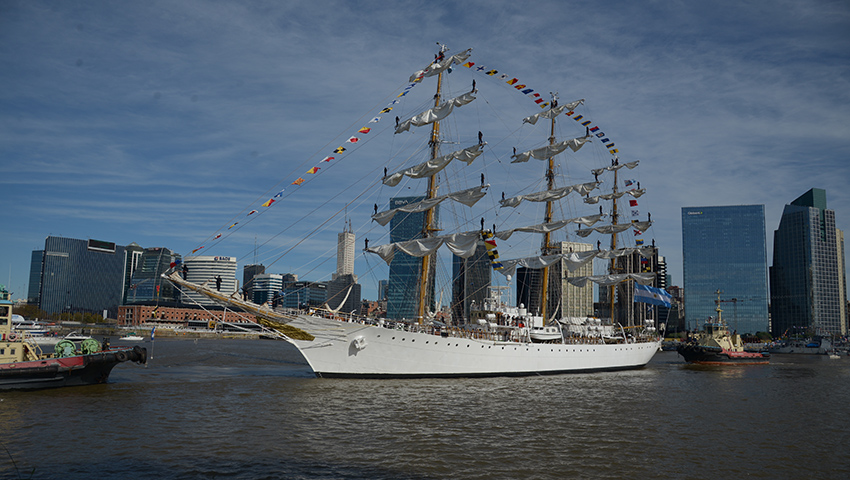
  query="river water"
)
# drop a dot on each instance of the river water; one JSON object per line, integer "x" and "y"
{"x": 251, "y": 409}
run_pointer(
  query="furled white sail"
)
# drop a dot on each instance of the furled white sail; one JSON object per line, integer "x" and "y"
{"x": 609, "y": 229}
{"x": 468, "y": 197}
{"x": 549, "y": 195}
{"x": 426, "y": 169}
{"x": 552, "y": 112}
{"x": 608, "y": 280}
{"x": 461, "y": 244}
{"x": 439, "y": 67}
{"x": 611, "y": 168}
{"x": 611, "y": 196}
{"x": 572, "y": 260}
{"x": 622, "y": 252}
{"x": 588, "y": 220}
{"x": 435, "y": 114}
{"x": 549, "y": 151}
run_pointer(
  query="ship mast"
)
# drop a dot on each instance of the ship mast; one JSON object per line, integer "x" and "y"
{"x": 614, "y": 217}
{"x": 547, "y": 236}
{"x": 428, "y": 228}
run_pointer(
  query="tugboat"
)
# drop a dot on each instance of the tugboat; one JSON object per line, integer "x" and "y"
{"x": 23, "y": 365}
{"x": 716, "y": 346}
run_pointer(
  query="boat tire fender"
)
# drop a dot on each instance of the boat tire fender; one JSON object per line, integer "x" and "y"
{"x": 121, "y": 356}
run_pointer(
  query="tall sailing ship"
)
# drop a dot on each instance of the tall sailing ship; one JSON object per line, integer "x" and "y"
{"x": 496, "y": 339}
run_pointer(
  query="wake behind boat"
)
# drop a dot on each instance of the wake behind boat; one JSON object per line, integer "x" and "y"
{"x": 507, "y": 340}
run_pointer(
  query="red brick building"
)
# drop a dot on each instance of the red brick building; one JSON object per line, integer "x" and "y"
{"x": 133, "y": 315}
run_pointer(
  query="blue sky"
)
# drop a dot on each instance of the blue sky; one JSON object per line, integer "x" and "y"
{"x": 161, "y": 123}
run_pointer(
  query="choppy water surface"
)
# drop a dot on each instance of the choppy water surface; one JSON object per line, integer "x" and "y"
{"x": 251, "y": 409}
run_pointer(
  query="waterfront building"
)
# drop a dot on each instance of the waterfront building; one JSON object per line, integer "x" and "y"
{"x": 576, "y": 302}
{"x": 301, "y": 294}
{"x": 343, "y": 291}
{"x": 147, "y": 284}
{"x": 529, "y": 286}
{"x": 248, "y": 274}
{"x": 662, "y": 280}
{"x": 265, "y": 287}
{"x": 345, "y": 252}
{"x": 179, "y": 317}
{"x": 675, "y": 320}
{"x": 724, "y": 249}
{"x": 206, "y": 269}
{"x": 382, "y": 290}
{"x": 403, "y": 285}
{"x": 34, "y": 290}
{"x": 79, "y": 276}
{"x": 133, "y": 258}
{"x": 805, "y": 282}
{"x": 343, "y": 294}
{"x": 470, "y": 282}
{"x": 842, "y": 289}
{"x": 628, "y": 312}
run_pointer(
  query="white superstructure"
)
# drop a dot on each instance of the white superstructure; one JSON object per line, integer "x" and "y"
{"x": 352, "y": 349}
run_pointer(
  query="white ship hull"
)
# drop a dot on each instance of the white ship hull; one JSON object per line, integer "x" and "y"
{"x": 343, "y": 349}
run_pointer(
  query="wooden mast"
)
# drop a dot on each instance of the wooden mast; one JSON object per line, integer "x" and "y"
{"x": 428, "y": 227}
{"x": 547, "y": 236}
{"x": 614, "y": 216}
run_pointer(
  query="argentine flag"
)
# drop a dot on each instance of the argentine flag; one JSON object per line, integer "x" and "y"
{"x": 655, "y": 296}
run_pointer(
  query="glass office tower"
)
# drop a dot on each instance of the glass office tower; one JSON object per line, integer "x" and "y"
{"x": 724, "y": 249}
{"x": 470, "y": 282}
{"x": 84, "y": 276}
{"x": 805, "y": 278}
{"x": 403, "y": 286}
{"x": 147, "y": 284}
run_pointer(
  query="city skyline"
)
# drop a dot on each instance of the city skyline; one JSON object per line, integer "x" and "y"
{"x": 156, "y": 123}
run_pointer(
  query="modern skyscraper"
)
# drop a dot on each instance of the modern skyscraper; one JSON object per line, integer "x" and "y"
{"x": 842, "y": 290}
{"x": 304, "y": 294}
{"x": 382, "y": 290}
{"x": 36, "y": 264}
{"x": 248, "y": 274}
{"x": 627, "y": 312}
{"x": 528, "y": 285}
{"x": 147, "y": 284}
{"x": 804, "y": 277}
{"x": 345, "y": 253}
{"x": 575, "y": 301}
{"x": 134, "y": 257}
{"x": 724, "y": 249}
{"x": 205, "y": 269}
{"x": 403, "y": 287}
{"x": 80, "y": 276}
{"x": 344, "y": 294}
{"x": 265, "y": 287}
{"x": 470, "y": 282}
